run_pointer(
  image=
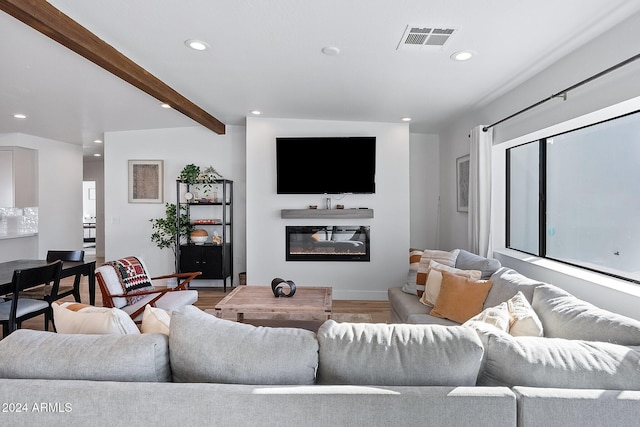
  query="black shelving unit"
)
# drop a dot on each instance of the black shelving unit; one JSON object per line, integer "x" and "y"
{"x": 211, "y": 209}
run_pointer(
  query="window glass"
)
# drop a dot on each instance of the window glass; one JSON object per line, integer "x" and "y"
{"x": 523, "y": 197}
{"x": 593, "y": 197}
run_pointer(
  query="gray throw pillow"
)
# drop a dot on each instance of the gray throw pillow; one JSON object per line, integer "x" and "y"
{"x": 399, "y": 354}
{"x": 204, "y": 349}
{"x": 46, "y": 355}
{"x": 470, "y": 261}
{"x": 559, "y": 363}
{"x": 566, "y": 316}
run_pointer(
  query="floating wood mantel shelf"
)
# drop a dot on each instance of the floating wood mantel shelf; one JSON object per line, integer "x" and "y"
{"x": 326, "y": 213}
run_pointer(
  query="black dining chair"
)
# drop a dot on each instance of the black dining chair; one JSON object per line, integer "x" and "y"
{"x": 17, "y": 309}
{"x": 63, "y": 290}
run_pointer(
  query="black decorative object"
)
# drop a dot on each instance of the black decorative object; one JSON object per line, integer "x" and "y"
{"x": 278, "y": 285}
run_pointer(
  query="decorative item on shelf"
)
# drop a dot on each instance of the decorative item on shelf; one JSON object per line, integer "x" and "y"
{"x": 278, "y": 285}
{"x": 199, "y": 236}
{"x": 217, "y": 240}
{"x": 191, "y": 174}
{"x": 339, "y": 206}
{"x": 313, "y": 206}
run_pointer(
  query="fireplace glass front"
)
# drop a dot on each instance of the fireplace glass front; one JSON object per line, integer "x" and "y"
{"x": 327, "y": 243}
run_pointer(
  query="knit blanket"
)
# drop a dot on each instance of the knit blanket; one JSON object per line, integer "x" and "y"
{"x": 133, "y": 278}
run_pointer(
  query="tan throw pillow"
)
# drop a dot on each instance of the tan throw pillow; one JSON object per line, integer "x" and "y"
{"x": 460, "y": 298}
{"x": 524, "y": 321}
{"x": 434, "y": 280}
{"x": 155, "y": 320}
{"x": 442, "y": 257}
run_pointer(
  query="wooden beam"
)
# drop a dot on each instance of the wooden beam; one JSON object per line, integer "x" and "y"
{"x": 43, "y": 17}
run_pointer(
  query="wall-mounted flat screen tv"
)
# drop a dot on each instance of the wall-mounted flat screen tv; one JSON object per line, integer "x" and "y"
{"x": 326, "y": 165}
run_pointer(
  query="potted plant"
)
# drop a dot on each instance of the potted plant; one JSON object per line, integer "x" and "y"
{"x": 191, "y": 174}
{"x": 165, "y": 230}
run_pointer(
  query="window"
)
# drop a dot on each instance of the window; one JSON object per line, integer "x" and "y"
{"x": 581, "y": 189}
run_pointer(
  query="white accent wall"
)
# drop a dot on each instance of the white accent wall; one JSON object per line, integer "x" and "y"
{"x": 389, "y": 227}
{"x": 127, "y": 226}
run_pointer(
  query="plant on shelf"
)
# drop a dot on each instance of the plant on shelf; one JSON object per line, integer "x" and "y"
{"x": 165, "y": 230}
{"x": 191, "y": 175}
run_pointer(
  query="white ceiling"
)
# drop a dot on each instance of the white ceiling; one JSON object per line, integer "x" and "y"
{"x": 266, "y": 55}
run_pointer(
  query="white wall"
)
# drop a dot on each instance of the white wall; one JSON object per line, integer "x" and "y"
{"x": 424, "y": 165}
{"x": 127, "y": 226}
{"x": 59, "y": 198}
{"x": 389, "y": 227}
{"x": 615, "y": 88}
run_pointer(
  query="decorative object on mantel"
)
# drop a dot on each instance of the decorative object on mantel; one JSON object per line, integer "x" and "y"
{"x": 339, "y": 206}
{"x": 278, "y": 284}
{"x": 313, "y": 206}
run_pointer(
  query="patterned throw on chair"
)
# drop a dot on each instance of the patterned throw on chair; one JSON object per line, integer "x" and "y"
{"x": 133, "y": 278}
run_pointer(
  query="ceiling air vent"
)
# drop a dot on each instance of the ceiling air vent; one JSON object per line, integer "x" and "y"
{"x": 415, "y": 37}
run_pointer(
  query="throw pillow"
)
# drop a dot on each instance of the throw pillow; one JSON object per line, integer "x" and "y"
{"x": 75, "y": 318}
{"x": 470, "y": 261}
{"x": 460, "y": 298}
{"x": 155, "y": 320}
{"x": 524, "y": 321}
{"x": 442, "y": 257}
{"x": 414, "y": 260}
{"x": 495, "y": 316}
{"x": 434, "y": 280}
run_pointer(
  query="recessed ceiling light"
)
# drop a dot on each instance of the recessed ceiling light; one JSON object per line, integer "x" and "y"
{"x": 463, "y": 55}
{"x": 330, "y": 50}
{"x": 165, "y": 105}
{"x": 406, "y": 119}
{"x": 20, "y": 116}
{"x": 196, "y": 44}
{"x": 97, "y": 141}
{"x": 256, "y": 112}
{"x": 97, "y": 155}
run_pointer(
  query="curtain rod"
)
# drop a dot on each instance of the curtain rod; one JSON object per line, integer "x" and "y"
{"x": 563, "y": 93}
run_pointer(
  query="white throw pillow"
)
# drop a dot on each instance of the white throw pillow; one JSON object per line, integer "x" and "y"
{"x": 495, "y": 316}
{"x": 76, "y": 318}
{"x": 442, "y": 257}
{"x": 524, "y": 321}
{"x": 155, "y": 320}
{"x": 434, "y": 280}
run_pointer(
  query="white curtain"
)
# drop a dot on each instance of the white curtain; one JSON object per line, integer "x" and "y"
{"x": 479, "y": 229}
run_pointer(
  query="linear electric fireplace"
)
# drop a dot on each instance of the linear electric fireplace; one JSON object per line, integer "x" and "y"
{"x": 327, "y": 243}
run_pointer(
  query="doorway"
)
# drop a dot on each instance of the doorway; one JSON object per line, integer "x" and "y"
{"x": 89, "y": 217}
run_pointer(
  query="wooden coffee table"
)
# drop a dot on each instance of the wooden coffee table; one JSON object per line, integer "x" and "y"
{"x": 260, "y": 299}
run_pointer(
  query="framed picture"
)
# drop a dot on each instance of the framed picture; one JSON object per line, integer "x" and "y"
{"x": 462, "y": 183}
{"x": 145, "y": 181}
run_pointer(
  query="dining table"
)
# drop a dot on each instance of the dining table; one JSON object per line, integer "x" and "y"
{"x": 75, "y": 269}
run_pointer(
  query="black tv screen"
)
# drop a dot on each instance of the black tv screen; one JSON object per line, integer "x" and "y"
{"x": 329, "y": 165}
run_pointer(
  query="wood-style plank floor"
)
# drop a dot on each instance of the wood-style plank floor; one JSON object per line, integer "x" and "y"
{"x": 209, "y": 297}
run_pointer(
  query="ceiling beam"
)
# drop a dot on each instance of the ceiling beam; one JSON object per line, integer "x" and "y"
{"x": 43, "y": 17}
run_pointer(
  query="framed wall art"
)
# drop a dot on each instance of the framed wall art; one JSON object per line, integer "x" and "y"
{"x": 145, "y": 181}
{"x": 462, "y": 183}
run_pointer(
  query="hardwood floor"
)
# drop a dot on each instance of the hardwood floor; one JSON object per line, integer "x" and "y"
{"x": 209, "y": 297}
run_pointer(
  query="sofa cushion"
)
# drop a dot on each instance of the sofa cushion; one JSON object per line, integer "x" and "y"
{"x": 507, "y": 283}
{"x": 556, "y": 362}
{"x": 460, "y": 298}
{"x": 434, "y": 280}
{"x": 442, "y": 257}
{"x": 470, "y": 261}
{"x": 207, "y": 349}
{"x": 47, "y": 355}
{"x": 407, "y": 355}
{"x": 76, "y": 318}
{"x": 566, "y": 316}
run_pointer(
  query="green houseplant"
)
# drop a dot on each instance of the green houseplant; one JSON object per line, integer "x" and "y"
{"x": 165, "y": 230}
{"x": 192, "y": 174}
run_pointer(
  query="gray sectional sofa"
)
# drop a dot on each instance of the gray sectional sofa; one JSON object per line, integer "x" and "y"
{"x": 585, "y": 371}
